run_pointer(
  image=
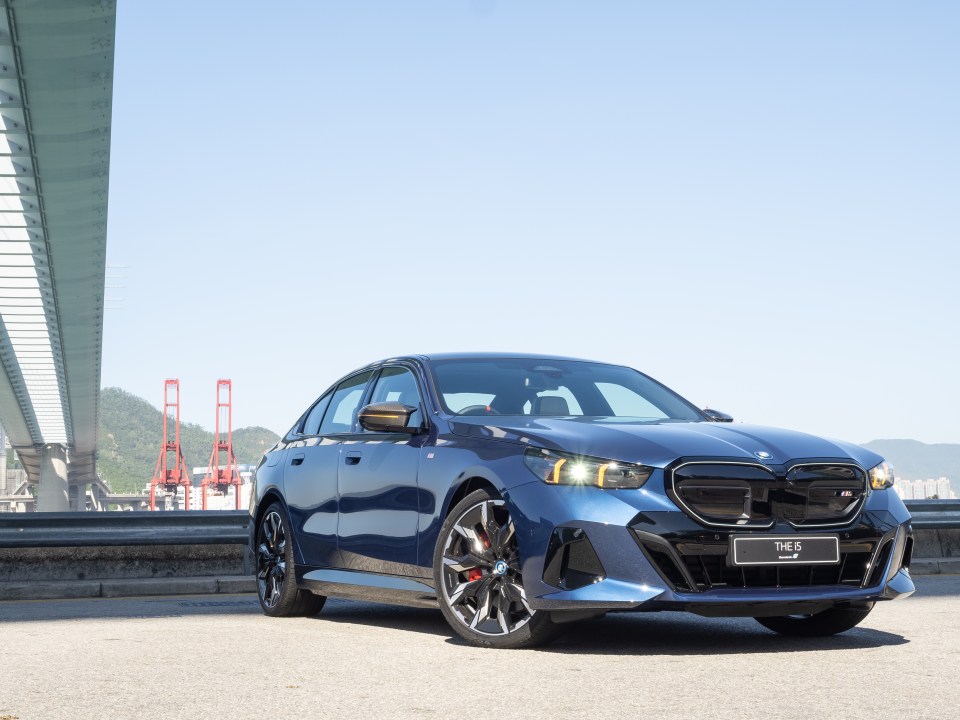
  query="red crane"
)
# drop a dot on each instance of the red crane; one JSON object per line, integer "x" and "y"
{"x": 171, "y": 471}
{"x": 222, "y": 476}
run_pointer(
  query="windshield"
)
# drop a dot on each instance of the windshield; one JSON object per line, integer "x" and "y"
{"x": 558, "y": 388}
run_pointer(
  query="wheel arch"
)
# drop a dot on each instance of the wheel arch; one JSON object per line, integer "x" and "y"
{"x": 471, "y": 482}
{"x": 269, "y": 497}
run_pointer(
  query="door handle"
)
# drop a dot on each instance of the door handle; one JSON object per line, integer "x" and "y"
{"x": 297, "y": 459}
{"x": 353, "y": 457}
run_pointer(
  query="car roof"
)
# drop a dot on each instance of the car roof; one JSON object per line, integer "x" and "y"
{"x": 492, "y": 356}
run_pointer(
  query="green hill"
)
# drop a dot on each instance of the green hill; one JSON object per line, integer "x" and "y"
{"x": 914, "y": 460}
{"x": 130, "y": 433}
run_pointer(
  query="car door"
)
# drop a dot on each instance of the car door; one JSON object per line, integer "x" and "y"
{"x": 312, "y": 464}
{"x": 379, "y": 501}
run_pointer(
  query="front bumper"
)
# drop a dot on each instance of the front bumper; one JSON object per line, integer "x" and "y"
{"x": 585, "y": 548}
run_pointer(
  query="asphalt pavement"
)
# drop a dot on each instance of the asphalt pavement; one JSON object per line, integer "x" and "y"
{"x": 217, "y": 656}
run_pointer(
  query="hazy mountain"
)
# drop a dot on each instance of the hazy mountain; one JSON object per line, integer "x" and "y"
{"x": 914, "y": 460}
{"x": 130, "y": 433}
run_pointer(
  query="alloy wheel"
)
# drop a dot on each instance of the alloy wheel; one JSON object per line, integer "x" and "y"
{"x": 271, "y": 559}
{"x": 481, "y": 580}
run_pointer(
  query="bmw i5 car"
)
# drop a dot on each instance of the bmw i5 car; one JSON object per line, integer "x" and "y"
{"x": 522, "y": 492}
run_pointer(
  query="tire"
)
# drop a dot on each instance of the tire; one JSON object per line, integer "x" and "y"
{"x": 476, "y": 568}
{"x": 277, "y": 572}
{"x": 828, "y": 622}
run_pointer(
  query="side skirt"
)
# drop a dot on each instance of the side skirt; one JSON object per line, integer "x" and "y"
{"x": 370, "y": 587}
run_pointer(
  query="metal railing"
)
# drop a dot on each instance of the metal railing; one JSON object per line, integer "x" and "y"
{"x": 232, "y": 526}
{"x": 23, "y": 530}
{"x": 934, "y": 514}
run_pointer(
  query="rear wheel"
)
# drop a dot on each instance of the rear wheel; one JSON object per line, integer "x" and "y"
{"x": 828, "y": 622}
{"x": 276, "y": 570}
{"x": 476, "y": 567}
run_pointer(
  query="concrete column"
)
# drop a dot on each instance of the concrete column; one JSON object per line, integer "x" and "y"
{"x": 77, "y": 493}
{"x": 52, "y": 491}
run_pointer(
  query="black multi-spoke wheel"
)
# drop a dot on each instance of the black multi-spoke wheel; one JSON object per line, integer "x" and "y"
{"x": 276, "y": 572}
{"x": 479, "y": 584}
{"x": 827, "y": 622}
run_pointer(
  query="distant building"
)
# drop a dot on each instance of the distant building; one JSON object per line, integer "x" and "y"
{"x": 904, "y": 488}
{"x": 246, "y": 472}
{"x": 940, "y": 488}
{"x": 944, "y": 489}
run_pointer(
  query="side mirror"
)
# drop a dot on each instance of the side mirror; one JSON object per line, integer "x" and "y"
{"x": 387, "y": 417}
{"x": 717, "y": 416}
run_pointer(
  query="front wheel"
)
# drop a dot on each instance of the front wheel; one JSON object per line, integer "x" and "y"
{"x": 476, "y": 568}
{"x": 828, "y": 622}
{"x": 276, "y": 570}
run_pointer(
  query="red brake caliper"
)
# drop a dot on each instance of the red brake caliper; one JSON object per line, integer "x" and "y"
{"x": 477, "y": 573}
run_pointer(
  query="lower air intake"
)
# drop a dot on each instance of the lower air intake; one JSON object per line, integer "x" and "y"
{"x": 571, "y": 560}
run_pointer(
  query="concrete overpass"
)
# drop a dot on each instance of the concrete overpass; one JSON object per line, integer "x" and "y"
{"x": 56, "y": 88}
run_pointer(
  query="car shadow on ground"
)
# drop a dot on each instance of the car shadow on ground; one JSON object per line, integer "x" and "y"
{"x": 389, "y": 617}
{"x": 666, "y": 633}
{"x": 670, "y": 633}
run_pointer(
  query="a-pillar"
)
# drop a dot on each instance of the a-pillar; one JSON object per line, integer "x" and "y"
{"x": 52, "y": 493}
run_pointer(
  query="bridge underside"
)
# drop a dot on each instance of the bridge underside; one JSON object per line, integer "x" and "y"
{"x": 56, "y": 87}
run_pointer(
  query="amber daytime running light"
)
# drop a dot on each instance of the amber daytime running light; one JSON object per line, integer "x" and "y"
{"x": 556, "y": 468}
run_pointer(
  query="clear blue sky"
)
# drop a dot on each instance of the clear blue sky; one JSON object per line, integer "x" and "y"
{"x": 756, "y": 203}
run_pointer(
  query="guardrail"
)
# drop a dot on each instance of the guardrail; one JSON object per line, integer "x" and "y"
{"x": 37, "y": 530}
{"x": 934, "y": 514}
{"x": 18, "y": 530}
{"x": 101, "y": 554}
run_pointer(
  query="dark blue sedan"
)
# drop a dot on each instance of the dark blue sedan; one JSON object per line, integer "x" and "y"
{"x": 523, "y": 492}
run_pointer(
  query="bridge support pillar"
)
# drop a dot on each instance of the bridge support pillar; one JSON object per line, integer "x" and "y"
{"x": 78, "y": 496}
{"x": 53, "y": 490}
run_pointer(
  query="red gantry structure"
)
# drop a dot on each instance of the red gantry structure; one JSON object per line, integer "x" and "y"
{"x": 171, "y": 472}
{"x": 223, "y": 475}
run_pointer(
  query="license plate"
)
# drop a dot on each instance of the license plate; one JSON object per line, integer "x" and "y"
{"x": 789, "y": 550}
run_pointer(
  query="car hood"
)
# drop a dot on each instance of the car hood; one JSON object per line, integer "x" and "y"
{"x": 659, "y": 444}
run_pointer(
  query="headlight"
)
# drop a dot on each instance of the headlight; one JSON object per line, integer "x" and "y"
{"x": 556, "y": 468}
{"x": 881, "y": 476}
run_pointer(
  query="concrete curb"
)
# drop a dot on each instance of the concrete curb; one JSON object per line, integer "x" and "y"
{"x": 72, "y": 589}
{"x": 112, "y": 562}
{"x": 935, "y": 566}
